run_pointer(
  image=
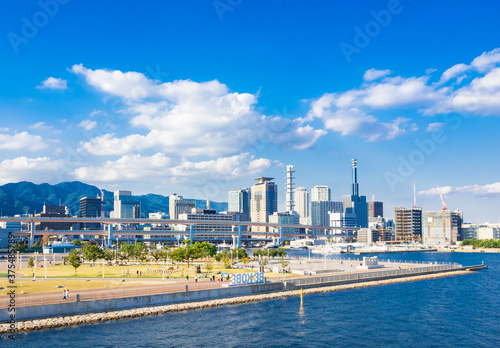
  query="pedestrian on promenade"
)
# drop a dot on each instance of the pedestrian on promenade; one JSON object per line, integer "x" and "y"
{"x": 67, "y": 294}
{"x": 64, "y": 295}
{"x": 196, "y": 278}
{"x": 187, "y": 278}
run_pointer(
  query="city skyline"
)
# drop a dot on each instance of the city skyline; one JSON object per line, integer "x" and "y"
{"x": 185, "y": 111}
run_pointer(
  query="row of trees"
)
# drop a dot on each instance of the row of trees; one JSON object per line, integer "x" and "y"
{"x": 482, "y": 243}
{"x": 280, "y": 252}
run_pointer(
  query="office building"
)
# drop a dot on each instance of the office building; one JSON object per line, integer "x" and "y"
{"x": 321, "y": 209}
{"x": 179, "y": 205}
{"x": 53, "y": 211}
{"x": 264, "y": 202}
{"x": 321, "y": 193}
{"x": 301, "y": 197}
{"x": 384, "y": 228}
{"x": 286, "y": 219}
{"x": 211, "y": 231}
{"x": 238, "y": 201}
{"x": 408, "y": 224}
{"x": 488, "y": 232}
{"x": 375, "y": 209}
{"x": 354, "y": 203}
{"x": 92, "y": 208}
{"x": 441, "y": 227}
{"x": 125, "y": 206}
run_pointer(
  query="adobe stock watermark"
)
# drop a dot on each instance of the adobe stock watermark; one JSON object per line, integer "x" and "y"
{"x": 363, "y": 35}
{"x": 31, "y": 26}
{"x": 425, "y": 148}
{"x": 223, "y": 6}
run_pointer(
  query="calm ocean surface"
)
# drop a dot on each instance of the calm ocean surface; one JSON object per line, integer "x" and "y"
{"x": 462, "y": 311}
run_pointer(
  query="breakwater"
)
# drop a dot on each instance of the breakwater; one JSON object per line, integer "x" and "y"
{"x": 30, "y": 325}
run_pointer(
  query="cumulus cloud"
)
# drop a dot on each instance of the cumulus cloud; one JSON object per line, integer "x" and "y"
{"x": 190, "y": 118}
{"x": 22, "y": 141}
{"x": 374, "y": 74}
{"x": 162, "y": 168}
{"x": 478, "y": 190}
{"x": 88, "y": 124}
{"x": 40, "y": 169}
{"x": 53, "y": 83}
{"x": 452, "y": 72}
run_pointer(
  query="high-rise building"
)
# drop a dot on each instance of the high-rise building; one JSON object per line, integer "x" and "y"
{"x": 264, "y": 202}
{"x": 238, "y": 201}
{"x": 289, "y": 201}
{"x": 178, "y": 205}
{"x": 92, "y": 208}
{"x": 408, "y": 224}
{"x": 375, "y": 209}
{"x": 320, "y": 211}
{"x": 321, "y": 193}
{"x": 441, "y": 227}
{"x": 125, "y": 206}
{"x": 301, "y": 197}
{"x": 354, "y": 203}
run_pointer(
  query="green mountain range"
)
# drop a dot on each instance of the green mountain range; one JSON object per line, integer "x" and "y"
{"x": 28, "y": 198}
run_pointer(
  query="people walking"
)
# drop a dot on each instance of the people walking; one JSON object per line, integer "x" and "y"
{"x": 64, "y": 295}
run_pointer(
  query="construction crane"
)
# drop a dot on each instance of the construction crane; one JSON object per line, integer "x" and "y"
{"x": 442, "y": 199}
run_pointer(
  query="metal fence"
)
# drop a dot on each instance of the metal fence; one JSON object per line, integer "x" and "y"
{"x": 27, "y": 301}
{"x": 369, "y": 276}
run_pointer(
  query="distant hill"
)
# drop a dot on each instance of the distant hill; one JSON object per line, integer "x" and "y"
{"x": 26, "y": 197}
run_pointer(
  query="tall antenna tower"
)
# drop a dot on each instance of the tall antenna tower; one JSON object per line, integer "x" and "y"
{"x": 289, "y": 202}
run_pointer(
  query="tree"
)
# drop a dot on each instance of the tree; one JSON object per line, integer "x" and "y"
{"x": 186, "y": 253}
{"x": 31, "y": 262}
{"x": 157, "y": 254}
{"x": 74, "y": 259}
{"x": 77, "y": 243}
{"x": 108, "y": 255}
{"x": 140, "y": 252}
{"x": 245, "y": 260}
{"x": 20, "y": 246}
{"x": 93, "y": 253}
{"x": 283, "y": 262}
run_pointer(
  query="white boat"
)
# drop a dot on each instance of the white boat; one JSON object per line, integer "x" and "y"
{"x": 328, "y": 249}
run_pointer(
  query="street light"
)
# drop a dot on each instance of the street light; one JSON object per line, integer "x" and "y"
{"x": 34, "y": 273}
{"x": 45, "y": 265}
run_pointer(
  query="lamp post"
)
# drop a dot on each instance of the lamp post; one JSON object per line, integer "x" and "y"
{"x": 45, "y": 265}
{"x": 34, "y": 273}
{"x": 163, "y": 268}
{"x": 103, "y": 260}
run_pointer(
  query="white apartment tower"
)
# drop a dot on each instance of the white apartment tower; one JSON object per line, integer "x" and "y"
{"x": 302, "y": 202}
{"x": 320, "y": 193}
{"x": 289, "y": 201}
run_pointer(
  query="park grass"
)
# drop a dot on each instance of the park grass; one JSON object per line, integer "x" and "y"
{"x": 148, "y": 271}
{"x": 50, "y": 285}
{"x": 3, "y": 275}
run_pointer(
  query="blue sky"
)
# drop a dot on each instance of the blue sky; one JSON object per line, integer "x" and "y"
{"x": 200, "y": 97}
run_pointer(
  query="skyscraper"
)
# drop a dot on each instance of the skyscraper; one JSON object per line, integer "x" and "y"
{"x": 264, "y": 202}
{"x": 91, "y": 208}
{"x": 238, "y": 201}
{"x": 320, "y": 211}
{"x": 125, "y": 206}
{"x": 320, "y": 193}
{"x": 375, "y": 209}
{"x": 354, "y": 203}
{"x": 301, "y": 197}
{"x": 178, "y": 205}
{"x": 289, "y": 201}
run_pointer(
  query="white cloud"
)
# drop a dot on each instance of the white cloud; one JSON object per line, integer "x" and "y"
{"x": 478, "y": 190}
{"x": 452, "y": 72}
{"x": 88, "y": 124}
{"x": 486, "y": 61}
{"x": 374, "y": 74}
{"x": 40, "y": 169}
{"x": 20, "y": 141}
{"x": 188, "y": 118}
{"x": 434, "y": 126}
{"x": 161, "y": 168}
{"x": 53, "y": 83}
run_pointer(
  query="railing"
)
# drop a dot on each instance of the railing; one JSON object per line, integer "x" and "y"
{"x": 359, "y": 259}
{"x": 27, "y": 301}
{"x": 370, "y": 275}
